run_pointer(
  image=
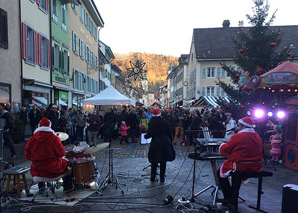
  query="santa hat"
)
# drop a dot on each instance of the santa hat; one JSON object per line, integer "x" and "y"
{"x": 156, "y": 112}
{"x": 45, "y": 122}
{"x": 247, "y": 121}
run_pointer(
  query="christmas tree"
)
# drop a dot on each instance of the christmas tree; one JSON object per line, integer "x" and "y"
{"x": 256, "y": 53}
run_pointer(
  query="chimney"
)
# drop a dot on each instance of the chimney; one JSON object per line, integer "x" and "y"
{"x": 226, "y": 23}
{"x": 241, "y": 23}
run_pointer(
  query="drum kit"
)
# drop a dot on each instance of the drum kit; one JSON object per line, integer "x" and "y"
{"x": 83, "y": 163}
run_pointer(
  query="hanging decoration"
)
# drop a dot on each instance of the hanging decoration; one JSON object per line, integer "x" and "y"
{"x": 136, "y": 70}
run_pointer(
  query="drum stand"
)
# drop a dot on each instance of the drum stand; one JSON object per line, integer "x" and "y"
{"x": 110, "y": 179}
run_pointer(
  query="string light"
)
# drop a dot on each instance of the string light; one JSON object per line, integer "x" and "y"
{"x": 289, "y": 90}
{"x": 273, "y": 90}
{"x": 282, "y": 90}
{"x": 296, "y": 90}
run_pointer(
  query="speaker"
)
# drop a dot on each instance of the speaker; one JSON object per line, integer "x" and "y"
{"x": 291, "y": 156}
{"x": 289, "y": 198}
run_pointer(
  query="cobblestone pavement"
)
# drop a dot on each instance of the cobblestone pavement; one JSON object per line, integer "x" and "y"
{"x": 130, "y": 166}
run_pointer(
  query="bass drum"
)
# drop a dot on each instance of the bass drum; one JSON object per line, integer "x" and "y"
{"x": 83, "y": 170}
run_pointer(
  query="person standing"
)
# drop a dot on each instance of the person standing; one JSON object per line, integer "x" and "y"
{"x": 24, "y": 119}
{"x": 109, "y": 121}
{"x": 6, "y": 122}
{"x": 93, "y": 128}
{"x": 81, "y": 123}
{"x": 133, "y": 124}
{"x": 52, "y": 114}
{"x": 179, "y": 118}
{"x": 123, "y": 129}
{"x": 34, "y": 116}
{"x": 161, "y": 149}
{"x": 243, "y": 152}
{"x": 230, "y": 126}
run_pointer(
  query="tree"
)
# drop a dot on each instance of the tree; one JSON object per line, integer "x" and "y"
{"x": 257, "y": 52}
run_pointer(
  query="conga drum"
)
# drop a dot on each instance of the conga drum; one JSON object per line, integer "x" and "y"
{"x": 83, "y": 169}
{"x": 69, "y": 151}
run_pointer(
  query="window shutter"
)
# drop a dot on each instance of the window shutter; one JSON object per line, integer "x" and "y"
{"x": 67, "y": 71}
{"x": 47, "y": 5}
{"x": 86, "y": 52}
{"x": 204, "y": 72}
{"x": 85, "y": 85}
{"x": 219, "y": 72}
{"x": 73, "y": 41}
{"x": 80, "y": 48}
{"x": 49, "y": 53}
{"x": 52, "y": 57}
{"x": 39, "y": 52}
{"x": 24, "y": 40}
{"x": 37, "y": 2}
{"x": 35, "y": 46}
{"x": 62, "y": 62}
{"x": 74, "y": 78}
{"x": 3, "y": 29}
{"x": 203, "y": 91}
{"x": 218, "y": 91}
{"x": 85, "y": 17}
{"x": 224, "y": 73}
{"x": 83, "y": 52}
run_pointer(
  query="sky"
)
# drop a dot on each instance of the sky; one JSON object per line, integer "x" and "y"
{"x": 166, "y": 26}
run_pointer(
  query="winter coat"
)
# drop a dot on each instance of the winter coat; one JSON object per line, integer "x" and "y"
{"x": 244, "y": 153}
{"x": 81, "y": 120}
{"x": 34, "y": 117}
{"x": 53, "y": 117}
{"x": 95, "y": 122}
{"x": 45, "y": 150}
{"x": 161, "y": 148}
{"x": 123, "y": 130}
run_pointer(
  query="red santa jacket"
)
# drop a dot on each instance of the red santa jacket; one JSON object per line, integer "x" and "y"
{"x": 244, "y": 153}
{"x": 45, "y": 150}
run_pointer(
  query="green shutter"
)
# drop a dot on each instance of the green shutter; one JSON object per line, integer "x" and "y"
{"x": 52, "y": 58}
{"x": 67, "y": 71}
{"x": 62, "y": 63}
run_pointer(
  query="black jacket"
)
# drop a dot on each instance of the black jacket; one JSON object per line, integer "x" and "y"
{"x": 161, "y": 148}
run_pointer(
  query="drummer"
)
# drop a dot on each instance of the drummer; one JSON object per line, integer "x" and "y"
{"x": 45, "y": 150}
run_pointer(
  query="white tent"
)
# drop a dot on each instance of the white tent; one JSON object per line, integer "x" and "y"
{"x": 109, "y": 96}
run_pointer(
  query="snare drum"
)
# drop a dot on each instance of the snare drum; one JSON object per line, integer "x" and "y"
{"x": 69, "y": 151}
{"x": 83, "y": 169}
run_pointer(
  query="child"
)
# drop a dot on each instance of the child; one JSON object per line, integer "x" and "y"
{"x": 276, "y": 146}
{"x": 124, "y": 129}
{"x": 144, "y": 123}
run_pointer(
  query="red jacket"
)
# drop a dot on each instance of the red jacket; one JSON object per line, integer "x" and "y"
{"x": 244, "y": 153}
{"x": 45, "y": 150}
{"x": 123, "y": 130}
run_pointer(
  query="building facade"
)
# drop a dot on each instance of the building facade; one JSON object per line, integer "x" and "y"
{"x": 10, "y": 53}
{"x": 83, "y": 33}
{"x": 36, "y": 52}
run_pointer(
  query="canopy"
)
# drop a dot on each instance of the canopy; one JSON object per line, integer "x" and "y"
{"x": 284, "y": 74}
{"x": 109, "y": 96}
{"x": 210, "y": 101}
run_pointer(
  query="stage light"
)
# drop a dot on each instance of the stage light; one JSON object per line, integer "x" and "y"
{"x": 259, "y": 113}
{"x": 93, "y": 185}
{"x": 270, "y": 114}
{"x": 281, "y": 114}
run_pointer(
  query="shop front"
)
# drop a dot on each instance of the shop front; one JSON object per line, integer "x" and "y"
{"x": 61, "y": 98}
{"x": 38, "y": 94}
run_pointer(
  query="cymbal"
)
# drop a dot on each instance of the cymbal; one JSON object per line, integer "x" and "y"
{"x": 96, "y": 148}
{"x": 62, "y": 135}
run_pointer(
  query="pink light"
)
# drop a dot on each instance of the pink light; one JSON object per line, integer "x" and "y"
{"x": 259, "y": 113}
{"x": 281, "y": 114}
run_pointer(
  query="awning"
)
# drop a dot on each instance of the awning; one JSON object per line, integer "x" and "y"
{"x": 210, "y": 101}
{"x": 188, "y": 103}
{"x": 41, "y": 100}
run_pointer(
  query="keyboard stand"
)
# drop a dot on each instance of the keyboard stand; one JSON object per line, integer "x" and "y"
{"x": 216, "y": 186}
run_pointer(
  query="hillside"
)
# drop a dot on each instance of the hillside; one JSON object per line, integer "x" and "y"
{"x": 156, "y": 65}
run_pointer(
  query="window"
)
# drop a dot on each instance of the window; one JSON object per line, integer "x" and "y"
{"x": 44, "y": 52}
{"x": 55, "y": 10}
{"x": 74, "y": 7}
{"x": 63, "y": 16}
{"x": 43, "y": 5}
{"x": 210, "y": 72}
{"x": 81, "y": 48}
{"x": 210, "y": 91}
{"x": 56, "y": 57}
{"x": 30, "y": 44}
{"x": 74, "y": 42}
{"x": 87, "y": 54}
{"x": 3, "y": 29}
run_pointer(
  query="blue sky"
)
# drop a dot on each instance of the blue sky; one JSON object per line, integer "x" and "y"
{"x": 165, "y": 26}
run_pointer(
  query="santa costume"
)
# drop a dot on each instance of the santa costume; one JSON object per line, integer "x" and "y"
{"x": 243, "y": 150}
{"x": 45, "y": 150}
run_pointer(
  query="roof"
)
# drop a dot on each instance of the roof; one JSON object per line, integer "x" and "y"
{"x": 217, "y": 43}
{"x": 284, "y": 67}
{"x": 90, "y": 5}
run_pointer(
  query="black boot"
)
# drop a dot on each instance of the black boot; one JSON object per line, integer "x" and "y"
{"x": 153, "y": 172}
{"x": 162, "y": 172}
